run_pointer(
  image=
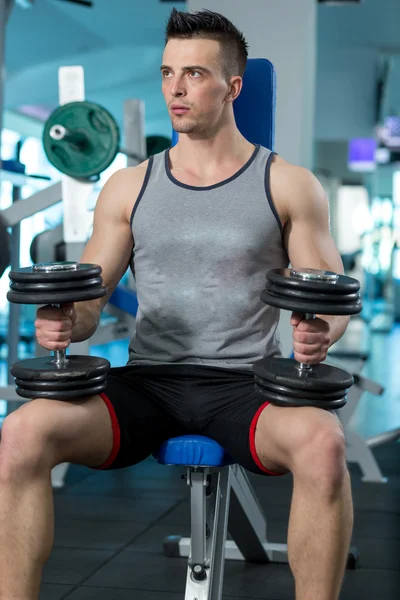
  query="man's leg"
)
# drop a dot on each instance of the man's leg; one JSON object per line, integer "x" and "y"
{"x": 35, "y": 438}
{"x": 44, "y": 433}
{"x": 310, "y": 443}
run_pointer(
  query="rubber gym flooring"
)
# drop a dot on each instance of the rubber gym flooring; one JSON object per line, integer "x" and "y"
{"x": 109, "y": 527}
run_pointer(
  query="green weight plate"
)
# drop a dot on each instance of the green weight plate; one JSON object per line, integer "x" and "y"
{"x": 321, "y": 396}
{"x": 282, "y": 400}
{"x": 157, "y": 143}
{"x": 322, "y": 378}
{"x": 305, "y": 296}
{"x": 91, "y": 141}
{"x": 28, "y": 275}
{"x": 54, "y": 386}
{"x": 51, "y": 286}
{"x": 60, "y": 297}
{"x": 343, "y": 284}
{"x": 313, "y": 307}
{"x": 44, "y": 369}
{"x": 63, "y": 395}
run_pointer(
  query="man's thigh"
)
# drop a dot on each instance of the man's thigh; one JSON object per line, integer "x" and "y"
{"x": 259, "y": 436}
{"x": 284, "y": 435}
{"x": 229, "y": 408}
{"x": 143, "y": 404}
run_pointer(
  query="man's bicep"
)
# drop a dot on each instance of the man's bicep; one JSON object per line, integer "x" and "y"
{"x": 308, "y": 239}
{"x": 111, "y": 242}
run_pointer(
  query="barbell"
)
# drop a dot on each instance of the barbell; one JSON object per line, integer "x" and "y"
{"x": 81, "y": 139}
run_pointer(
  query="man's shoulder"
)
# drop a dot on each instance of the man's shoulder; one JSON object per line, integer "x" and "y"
{"x": 287, "y": 177}
{"x": 122, "y": 189}
{"x": 127, "y": 180}
{"x": 294, "y": 187}
{"x": 284, "y": 169}
{"x": 133, "y": 173}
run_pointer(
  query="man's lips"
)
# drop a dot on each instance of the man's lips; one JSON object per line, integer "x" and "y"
{"x": 179, "y": 110}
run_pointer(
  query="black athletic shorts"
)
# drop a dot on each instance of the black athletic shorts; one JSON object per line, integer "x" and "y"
{"x": 150, "y": 404}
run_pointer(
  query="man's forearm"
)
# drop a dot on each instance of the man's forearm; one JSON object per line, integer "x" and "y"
{"x": 87, "y": 320}
{"x": 338, "y": 326}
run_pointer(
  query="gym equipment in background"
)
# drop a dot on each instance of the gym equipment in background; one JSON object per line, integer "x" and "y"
{"x": 222, "y": 500}
{"x": 81, "y": 139}
{"x": 5, "y": 246}
{"x": 156, "y": 144}
{"x": 76, "y": 222}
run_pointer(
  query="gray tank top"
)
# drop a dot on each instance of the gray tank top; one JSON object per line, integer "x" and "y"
{"x": 199, "y": 261}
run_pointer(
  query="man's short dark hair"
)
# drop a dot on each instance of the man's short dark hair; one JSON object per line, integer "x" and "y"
{"x": 210, "y": 25}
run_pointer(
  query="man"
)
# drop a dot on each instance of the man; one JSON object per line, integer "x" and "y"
{"x": 201, "y": 224}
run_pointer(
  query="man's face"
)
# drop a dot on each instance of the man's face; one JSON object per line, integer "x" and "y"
{"x": 193, "y": 85}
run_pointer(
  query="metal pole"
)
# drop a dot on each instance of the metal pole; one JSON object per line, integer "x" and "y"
{"x": 3, "y": 4}
{"x": 15, "y": 309}
{"x": 6, "y": 7}
{"x": 134, "y": 125}
{"x": 5, "y": 11}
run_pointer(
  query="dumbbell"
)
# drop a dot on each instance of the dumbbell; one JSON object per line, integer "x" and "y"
{"x": 59, "y": 377}
{"x": 287, "y": 382}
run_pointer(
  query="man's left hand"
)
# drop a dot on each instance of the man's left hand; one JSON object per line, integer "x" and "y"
{"x": 311, "y": 339}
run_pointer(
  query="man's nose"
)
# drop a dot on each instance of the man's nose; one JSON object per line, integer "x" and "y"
{"x": 178, "y": 88}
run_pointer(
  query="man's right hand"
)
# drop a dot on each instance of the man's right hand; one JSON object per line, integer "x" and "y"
{"x": 54, "y": 326}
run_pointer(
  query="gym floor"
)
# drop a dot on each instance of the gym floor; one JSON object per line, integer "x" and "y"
{"x": 109, "y": 527}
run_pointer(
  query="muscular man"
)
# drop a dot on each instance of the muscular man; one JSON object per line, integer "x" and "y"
{"x": 200, "y": 224}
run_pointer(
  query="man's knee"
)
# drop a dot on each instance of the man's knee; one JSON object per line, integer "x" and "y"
{"x": 26, "y": 441}
{"x": 319, "y": 453}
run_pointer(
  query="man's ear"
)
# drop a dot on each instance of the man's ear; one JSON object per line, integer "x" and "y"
{"x": 234, "y": 89}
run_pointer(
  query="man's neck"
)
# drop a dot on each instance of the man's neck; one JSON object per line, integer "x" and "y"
{"x": 207, "y": 155}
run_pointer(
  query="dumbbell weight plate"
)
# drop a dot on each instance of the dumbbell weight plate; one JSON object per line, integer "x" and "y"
{"x": 285, "y": 372}
{"x": 306, "y": 295}
{"x": 43, "y": 286}
{"x": 341, "y": 285}
{"x": 44, "y": 368}
{"x": 56, "y": 297}
{"x": 296, "y": 393}
{"x": 83, "y": 271}
{"x": 71, "y": 394}
{"x": 309, "y": 306}
{"x": 287, "y": 401}
{"x": 82, "y": 376}
{"x": 101, "y": 132}
{"x": 57, "y": 285}
{"x": 56, "y": 386}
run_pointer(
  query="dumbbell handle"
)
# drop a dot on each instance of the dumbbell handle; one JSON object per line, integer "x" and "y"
{"x": 304, "y": 367}
{"x": 60, "y": 356}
